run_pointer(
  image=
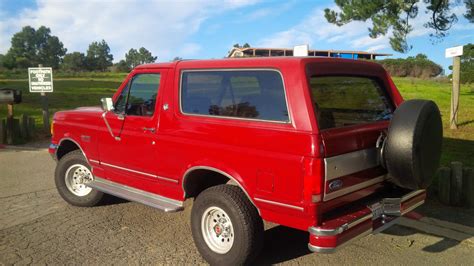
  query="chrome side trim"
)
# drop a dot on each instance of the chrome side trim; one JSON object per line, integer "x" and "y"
{"x": 356, "y": 187}
{"x": 280, "y": 204}
{"x": 220, "y": 172}
{"x": 94, "y": 161}
{"x": 138, "y": 172}
{"x": 336, "y": 231}
{"x": 414, "y": 206}
{"x": 349, "y": 163}
{"x": 137, "y": 195}
{"x": 230, "y": 117}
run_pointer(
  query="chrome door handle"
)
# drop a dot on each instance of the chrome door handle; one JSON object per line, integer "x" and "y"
{"x": 151, "y": 129}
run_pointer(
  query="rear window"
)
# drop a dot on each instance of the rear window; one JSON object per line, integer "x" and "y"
{"x": 341, "y": 101}
{"x": 251, "y": 94}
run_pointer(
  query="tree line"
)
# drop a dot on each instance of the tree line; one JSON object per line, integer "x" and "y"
{"x": 418, "y": 66}
{"x": 30, "y": 47}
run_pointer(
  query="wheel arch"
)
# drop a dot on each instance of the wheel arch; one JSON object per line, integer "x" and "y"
{"x": 218, "y": 177}
{"x": 67, "y": 145}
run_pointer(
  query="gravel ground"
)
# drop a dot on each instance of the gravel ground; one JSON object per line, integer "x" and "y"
{"x": 38, "y": 227}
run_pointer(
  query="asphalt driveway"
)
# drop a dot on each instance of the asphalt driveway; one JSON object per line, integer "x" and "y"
{"x": 37, "y": 226}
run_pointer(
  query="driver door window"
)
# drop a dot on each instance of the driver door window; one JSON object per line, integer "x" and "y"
{"x": 138, "y": 98}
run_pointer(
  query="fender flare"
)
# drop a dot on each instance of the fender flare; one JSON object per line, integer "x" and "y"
{"x": 73, "y": 141}
{"x": 231, "y": 178}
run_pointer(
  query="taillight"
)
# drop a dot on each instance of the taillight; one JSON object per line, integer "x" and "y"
{"x": 313, "y": 175}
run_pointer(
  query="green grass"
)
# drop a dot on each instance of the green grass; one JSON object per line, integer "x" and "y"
{"x": 68, "y": 93}
{"x": 86, "y": 89}
{"x": 458, "y": 145}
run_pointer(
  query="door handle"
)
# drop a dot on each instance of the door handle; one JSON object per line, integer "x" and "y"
{"x": 151, "y": 129}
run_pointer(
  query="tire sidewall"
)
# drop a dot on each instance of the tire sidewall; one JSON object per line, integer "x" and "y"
{"x": 237, "y": 251}
{"x": 64, "y": 163}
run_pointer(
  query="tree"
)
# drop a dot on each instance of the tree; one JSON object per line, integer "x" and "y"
{"x": 396, "y": 15}
{"x": 122, "y": 66}
{"x": 74, "y": 61}
{"x": 246, "y": 45}
{"x": 413, "y": 66}
{"x": 467, "y": 64}
{"x": 177, "y": 58}
{"x": 31, "y": 47}
{"x": 134, "y": 58}
{"x": 98, "y": 56}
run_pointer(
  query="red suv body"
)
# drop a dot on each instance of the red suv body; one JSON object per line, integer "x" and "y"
{"x": 252, "y": 123}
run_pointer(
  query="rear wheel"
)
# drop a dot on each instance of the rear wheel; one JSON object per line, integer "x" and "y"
{"x": 226, "y": 227}
{"x": 71, "y": 177}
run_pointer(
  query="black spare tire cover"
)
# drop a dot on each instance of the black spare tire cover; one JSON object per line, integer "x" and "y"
{"x": 413, "y": 146}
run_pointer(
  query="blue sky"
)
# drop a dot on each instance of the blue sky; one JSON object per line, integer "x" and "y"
{"x": 208, "y": 29}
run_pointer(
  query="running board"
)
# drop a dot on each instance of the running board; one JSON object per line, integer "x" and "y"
{"x": 137, "y": 195}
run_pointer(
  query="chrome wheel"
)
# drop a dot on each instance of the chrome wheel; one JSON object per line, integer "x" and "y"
{"x": 76, "y": 178}
{"x": 217, "y": 230}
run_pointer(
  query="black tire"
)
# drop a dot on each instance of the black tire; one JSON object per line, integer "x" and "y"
{"x": 413, "y": 147}
{"x": 246, "y": 222}
{"x": 74, "y": 158}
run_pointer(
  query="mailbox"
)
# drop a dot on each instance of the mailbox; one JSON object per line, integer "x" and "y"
{"x": 10, "y": 96}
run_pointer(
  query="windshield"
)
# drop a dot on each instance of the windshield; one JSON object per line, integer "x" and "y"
{"x": 341, "y": 101}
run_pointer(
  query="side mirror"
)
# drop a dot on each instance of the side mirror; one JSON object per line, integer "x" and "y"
{"x": 107, "y": 104}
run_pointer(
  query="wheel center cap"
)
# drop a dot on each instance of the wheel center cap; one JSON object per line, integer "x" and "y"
{"x": 218, "y": 229}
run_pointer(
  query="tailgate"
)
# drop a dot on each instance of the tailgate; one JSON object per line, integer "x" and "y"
{"x": 351, "y": 161}
{"x": 352, "y": 112}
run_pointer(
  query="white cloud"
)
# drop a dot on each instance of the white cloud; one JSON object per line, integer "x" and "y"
{"x": 315, "y": 30}
{"x": 274, "y": 10}
{"x": 162, "y": 27}
{"x": 189, "y": 49}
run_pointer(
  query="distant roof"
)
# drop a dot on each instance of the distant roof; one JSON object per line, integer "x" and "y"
{"x": 261, "y": 51}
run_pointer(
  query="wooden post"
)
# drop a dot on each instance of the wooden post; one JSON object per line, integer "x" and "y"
{"x": 3, "y": 131}
{"x": 10, "y": 124}
{"x": 44, "y": 104}
{"x": 468, "y": 186}
{"x": 31, "y": 125}
{"x": 453, "y": 118}
{"x": 444, "y": 185}
{"x": 24, "y": 126}
{"x": 456, "y": 184}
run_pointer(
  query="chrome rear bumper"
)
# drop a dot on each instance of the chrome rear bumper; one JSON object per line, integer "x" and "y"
{"x": 373, "y": 218}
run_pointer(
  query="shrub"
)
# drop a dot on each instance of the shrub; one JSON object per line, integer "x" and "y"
{"x": 419, "y": 66}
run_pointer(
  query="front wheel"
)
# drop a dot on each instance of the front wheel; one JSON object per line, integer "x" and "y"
{"x": 226, "y": 227}
{"x": 71, "y": 177}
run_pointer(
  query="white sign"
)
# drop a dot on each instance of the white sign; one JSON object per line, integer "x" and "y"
{"x": 41, "y": 79}
{"x": 454, "y": 51}
{"x": 301, "y": 50}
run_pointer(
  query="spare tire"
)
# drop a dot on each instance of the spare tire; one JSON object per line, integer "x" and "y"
{"x": 412, "y": 149}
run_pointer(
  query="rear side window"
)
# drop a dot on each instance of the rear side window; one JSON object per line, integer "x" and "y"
{"x": 251, "y": 94}
{"x": 345, "y": 100}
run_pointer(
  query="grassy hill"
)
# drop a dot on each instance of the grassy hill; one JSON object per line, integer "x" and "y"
{"x": 87, "y": 88}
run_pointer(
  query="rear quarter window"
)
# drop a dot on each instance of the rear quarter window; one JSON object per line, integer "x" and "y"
{"x": 248, "y": 94}
{"x": 341, "y": 101}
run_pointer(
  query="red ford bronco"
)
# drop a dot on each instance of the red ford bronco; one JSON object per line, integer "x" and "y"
{"x": 323, "y": 145}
